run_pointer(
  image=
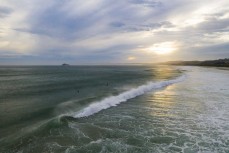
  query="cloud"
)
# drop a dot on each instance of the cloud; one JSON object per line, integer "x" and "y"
{"x": 111, "y": 30}
{"x": 147, "y": 3}
{"x": 54, "y": 21}
{"x": 214, "y": 24}
{"x": 4, "y": 11}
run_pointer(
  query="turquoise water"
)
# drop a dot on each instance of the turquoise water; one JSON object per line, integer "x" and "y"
{"x": 114, "y": 109}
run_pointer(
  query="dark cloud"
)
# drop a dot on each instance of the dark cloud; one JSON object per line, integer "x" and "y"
{"x": 131, "y": 27}
{"x": 154, "y": 25}
{"x": 214, "y": 24}
{"x": 5, "y": 11}
{"x": 117, "y": 24}
{"x": 55, "y": 22}
{"x": 147, "y": 3}
{"x": 221, "y": 50}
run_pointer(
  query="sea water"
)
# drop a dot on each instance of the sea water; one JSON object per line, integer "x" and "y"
{"x": 113, "y": 109}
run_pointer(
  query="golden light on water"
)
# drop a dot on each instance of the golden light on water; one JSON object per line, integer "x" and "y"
{"x": 163, "y": 102}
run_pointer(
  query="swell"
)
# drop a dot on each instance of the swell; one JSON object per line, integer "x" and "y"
{"x": 115, "y": 100}
{"x": 43, "y": 128}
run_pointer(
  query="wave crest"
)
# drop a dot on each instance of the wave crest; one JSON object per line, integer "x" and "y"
{"x": 132, "y": 93}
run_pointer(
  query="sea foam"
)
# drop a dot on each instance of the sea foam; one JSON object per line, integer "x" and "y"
{"x": 132, "y": 93}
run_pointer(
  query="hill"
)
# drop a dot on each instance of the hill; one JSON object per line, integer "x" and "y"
{"x": 217, "y": 63}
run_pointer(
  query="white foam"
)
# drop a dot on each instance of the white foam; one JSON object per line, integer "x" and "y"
{"x": 132, "y": 93}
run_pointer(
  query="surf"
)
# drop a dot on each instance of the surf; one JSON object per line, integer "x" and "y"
{"x": 113, "y": 101}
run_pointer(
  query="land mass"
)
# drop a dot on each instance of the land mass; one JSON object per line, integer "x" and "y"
{"x": 216, "y": 63}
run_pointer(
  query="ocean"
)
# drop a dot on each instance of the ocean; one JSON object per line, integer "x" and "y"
{"x": 116, "y": 109}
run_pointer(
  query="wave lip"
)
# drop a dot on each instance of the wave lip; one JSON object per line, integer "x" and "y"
{"x": 132, "y": 93}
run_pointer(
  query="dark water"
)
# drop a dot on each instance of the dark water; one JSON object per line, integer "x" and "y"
{"x": 72, "y": 109}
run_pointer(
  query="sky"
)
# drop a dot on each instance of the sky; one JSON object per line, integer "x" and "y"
{"x": 49, "y": 32}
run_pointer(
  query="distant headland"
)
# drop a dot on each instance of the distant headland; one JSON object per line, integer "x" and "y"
{"x": 216, "y": 63}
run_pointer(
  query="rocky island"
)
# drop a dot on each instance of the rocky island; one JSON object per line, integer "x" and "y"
{"x": 65, "y": 64}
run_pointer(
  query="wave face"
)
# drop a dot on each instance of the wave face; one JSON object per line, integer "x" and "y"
{"x": 132, "y": 93}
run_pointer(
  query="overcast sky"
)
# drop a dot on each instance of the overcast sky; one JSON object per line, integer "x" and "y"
{"x": 112, "y": 31}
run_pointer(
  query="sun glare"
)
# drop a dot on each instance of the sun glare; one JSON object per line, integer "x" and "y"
{"x": 163, "y": 48}
{"x": 131, "y": 58}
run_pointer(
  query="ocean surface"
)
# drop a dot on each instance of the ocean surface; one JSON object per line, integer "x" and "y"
{"x": 120, "y": 109}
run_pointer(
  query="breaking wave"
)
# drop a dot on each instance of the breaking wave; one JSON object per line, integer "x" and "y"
{"x": 132, "y": 93}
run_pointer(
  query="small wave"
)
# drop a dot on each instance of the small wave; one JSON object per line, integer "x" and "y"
{"x": 132, "y": 93}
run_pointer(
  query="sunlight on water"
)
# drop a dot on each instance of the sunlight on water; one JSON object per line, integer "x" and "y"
{"x": 164, "y": 100}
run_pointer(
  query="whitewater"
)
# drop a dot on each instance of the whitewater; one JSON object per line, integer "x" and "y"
{"x": 123, "y": 97}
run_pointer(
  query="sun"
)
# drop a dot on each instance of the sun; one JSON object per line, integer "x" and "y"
{"x": 131, "y": 58}
{"x": 163, "y": 48}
